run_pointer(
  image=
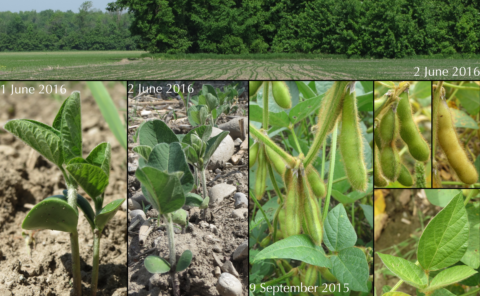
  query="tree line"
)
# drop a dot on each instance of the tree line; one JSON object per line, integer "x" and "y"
{"x": 87, "y": 29}
{"x": 368, "y": 28}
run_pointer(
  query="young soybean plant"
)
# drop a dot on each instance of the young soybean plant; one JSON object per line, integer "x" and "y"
{"x": 61, "y": 144}
{"x": 167, "y": 181}
{"x": 443, "y": 244}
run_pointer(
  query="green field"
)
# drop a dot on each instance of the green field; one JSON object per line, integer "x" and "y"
{"x": 128, "y": 65}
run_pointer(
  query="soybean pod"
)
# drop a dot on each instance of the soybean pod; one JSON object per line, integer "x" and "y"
{"x": 312, "y": 216}
{"x": 390, "y": 162}
{"x": 417, "y": 146}
{"x": 281, "y": 94}
{"x": 293, "y": 205}
{"x": 315, "y": 181}
{"x": 378, "y": 178}
{"x": 261, "y": 176}
{"x": 351, "y": 143}
{"x": 252, "y": 156}
{"x": 448, "y": 140}
{"x": 253, "y": 87}
{"x": 404, "y": 177}
{"x": 276, "y": 161}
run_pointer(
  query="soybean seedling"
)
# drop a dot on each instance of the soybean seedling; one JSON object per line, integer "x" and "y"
{"x": 61, "y": 144}
{"x": 446, "y": 255}
{"x": 167, "y": 181}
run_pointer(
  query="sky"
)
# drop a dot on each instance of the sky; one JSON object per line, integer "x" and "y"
{"x": 63, "y": 5}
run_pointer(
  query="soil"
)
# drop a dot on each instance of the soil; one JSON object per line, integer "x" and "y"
{"x": 26, "y": 178}
{"x": 403, "y": 207}
{"x": 212, "y": 238}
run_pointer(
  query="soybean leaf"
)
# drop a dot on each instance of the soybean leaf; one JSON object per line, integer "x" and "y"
{"x": 279, "y": 119}
{"x": 153, "y": 132}
{"x": 367, "y": 86}
{"x": 364, "y": 102}
{"x": 339, "y": 232}
{"x": 442, "y": 197}
{"x": 421, "y": 90}
{"x": 57, "y": 122}
{"x": 440, "y": 292}
{"x": 395, "y": 294}
{"x": 472, "y": 257}
{"x": 212, "y": 145}
{"x": 474, "y": 280}
{"x": 77, "y": 160}
{"x": 180, "y": 217}
{"x": 163, "y": 189}
{"x": 170, "y": 159}
{"x": 207, "y": 88}
{"x": 344, "y": 199}
{"x": 461, "y": 119}
{"x": 52, "y": 213}
{"x": 41, "y": 137}
{"x": 100, "y": 156}
{"x": 143, "y": 150}
{"x": 92, "y": 178}
{"x": 84, "y": 205}
{"x": 184, "y": 260}
{"x": 212, "y": 102}
{"x": 305, "y": 90}
{"x": 155, "y": 264}
{"x": 71, "y": 127}
{"x": 450, "y": 276}
{"x": 203, "y": 132}
{"x": 107, "y": 213}
{"x": 305, "y": 108}
{"x": 108, "y": 110}
{"x": 260, "y": 270}
{"x": 470, "y": 99}
{"x": 445, "y": 238}
{"x": 368, "y": 212}
{"x": 197, "y": 114}
{"x": 405, "y": 270}
{"x": 350, "y": 266}
{"x": 193, "y": 200}
{"x": 298, "y": 247}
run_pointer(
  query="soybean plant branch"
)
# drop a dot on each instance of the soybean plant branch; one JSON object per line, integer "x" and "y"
{"x": 261, "y": 209}
{"x": 460, "y": 86}
{"x": 265, "y": 105}
{"x": 257, "y": 134}
{"x": 436, "y": 100}
{"x": 333, "y": 150}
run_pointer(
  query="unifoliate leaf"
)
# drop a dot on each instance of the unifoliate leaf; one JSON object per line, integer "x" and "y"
{"x": 212, "y": 102}
{"x": 395, "y": 294}
{"x": 52, "y": 213}
{"x": 205, "y": 203}
{"x": 339, "y": 232}
{"x": 107, "y": 213}
{"x": 84, "y": 205}
{"x": 203, "y": 132}
{"x": 57, "y": 122}
{"x": 193, "y": 200}
{"x": 71, "y": 127}
{"x": 350, "y": 266}
{"x": 90, "y": 177}
{"x": 143, "y": 150}
{"x": 184, "y": 261}
{"x": 450, "y": 276}
{"x": 297, "y": 247}
{"x": 41, "y": 137}
{"x": 444, "y": 240}
{"x": 155, "y": 264}
{"x": 170, "y": 159}
{"x": 405, "y": 270}
{"x": 197, "y": 114}
{"x": 442, "y": 197}
{"x": 472, "y": 255}
{"x": 213, "y": 144}
{"x": 180, "y": 217}
{"x": 100, "y": 156}
{"x": 164, "y": 189}
{"x": 155, "y": 131}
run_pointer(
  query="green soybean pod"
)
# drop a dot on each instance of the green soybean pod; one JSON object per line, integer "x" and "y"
{"x": 351, "y": 143}
{"x": 293, "y": 206}
{"x": 281, "y": 94}
{"x": 315, "y": 181}
{"x": 388, "y": 126}
{"x": 390, "y": 162}
{"x": 277, "y": 162}
{"x": 378, "y": 178}
{"x": 309, "y": 277}
{"x": 253, "y": 87}
{"x": 448, "y": 140}
{"x": 405, "y": 178}
{"x": 312, "y": 215}
{"x": 252, "y": 156}
{"x": 326, "y": 274}
{"x": 376, "y": 136}
{"x": 261, "y": 176}
{"x": 417, "y": 146}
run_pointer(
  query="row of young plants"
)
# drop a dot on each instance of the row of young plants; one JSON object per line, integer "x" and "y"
{"x": 289, "y": 233}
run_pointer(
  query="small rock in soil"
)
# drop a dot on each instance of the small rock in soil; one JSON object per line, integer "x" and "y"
{"x": 224, "y": 151}
{"x": 228, "y": 267}
{"x": 233, "y": 127}
{"x": 241, "y": 200}
{"x": 241, "y": 252}
{"x": 239, "y": 213}
{"x": 219, "y": 192}
{"x": 229, "y": 285}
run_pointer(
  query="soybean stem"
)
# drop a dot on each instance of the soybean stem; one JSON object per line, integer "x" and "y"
{"x": 333, "y": 150}
{"x": 274, "y": 182}
{"x": 280, "y": 265}
{"x": 77, "y": 276}
{"x": 292, "y": 131}
{"x": 460, "y": 86}
{"x": 458, "y": 183}
{"x": 454, "y": 92}
{"x": 472, "y": 292}
{"x": 353, "y": 215}
{"x": 96, "y": 259}
{"x": 322, "y": 175}
{"x": 471, "y": 193}
{"x": 265, "y": 105}
{"x": 277, "y": 280}
{"x": 436, "y": 101}
{"x": 345, "y": 178}
{"x": 261, "y": 209}
{"x": 256, "y": 133}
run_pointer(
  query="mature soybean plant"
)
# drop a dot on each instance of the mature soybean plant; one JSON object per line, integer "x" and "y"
{"x": 396, "y": 123}
{"x": 447, "y": 252}
{"x": 455, "y": 148}
{"x": 290, "y": 231}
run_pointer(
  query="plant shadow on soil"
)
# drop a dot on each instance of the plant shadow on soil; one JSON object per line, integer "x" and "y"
{"x": 212, "y": 240}
{"x": 26, "y": 178}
